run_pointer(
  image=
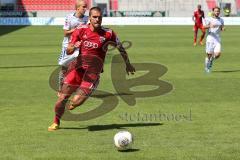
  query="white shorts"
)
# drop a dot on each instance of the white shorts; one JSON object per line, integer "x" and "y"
{"x": 213, "y": 45}
{"x": 65, "y": 59}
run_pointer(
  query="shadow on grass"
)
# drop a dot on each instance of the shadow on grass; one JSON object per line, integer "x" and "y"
{"x": 109, "y": 95}
{"x": 37, "y": 66}
{"x": 114, "y": 126}
{"x": 8, "y": 29}
{"x": 227, "y": 71}
{"x": 129, "y": 150}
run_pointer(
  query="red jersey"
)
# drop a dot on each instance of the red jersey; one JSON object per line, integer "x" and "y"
{"x": 93, "y": 45}
{"x": 198, "y": 15}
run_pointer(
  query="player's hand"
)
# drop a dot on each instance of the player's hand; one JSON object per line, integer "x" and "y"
{"x": 72, "y": 47}
{"x": 130, "y": 68}
{"x": 77, "y": 44}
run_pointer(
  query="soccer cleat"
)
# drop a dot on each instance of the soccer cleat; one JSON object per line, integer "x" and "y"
{"x": 207, "y": 70}
{"x": 201, "y": 43}
{"x": 194, "y": 44}
{"x": 53, "y": 127}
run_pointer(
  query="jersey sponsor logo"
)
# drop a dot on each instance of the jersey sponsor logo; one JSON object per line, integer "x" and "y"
{"x": 89, "y": 44}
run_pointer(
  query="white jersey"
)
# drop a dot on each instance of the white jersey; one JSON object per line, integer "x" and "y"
{"x": 214, "y": 33}
{"x": 71, "y": 21}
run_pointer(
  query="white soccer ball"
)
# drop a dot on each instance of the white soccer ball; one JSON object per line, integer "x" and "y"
{"x": 123, "y": 140}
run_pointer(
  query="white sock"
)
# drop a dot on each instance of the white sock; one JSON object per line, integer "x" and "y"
{"x": 206, "y": 61}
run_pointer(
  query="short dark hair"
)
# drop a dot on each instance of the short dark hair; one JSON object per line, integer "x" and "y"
{"x": 216, "y": 7}
{"x": 95, "y": 9}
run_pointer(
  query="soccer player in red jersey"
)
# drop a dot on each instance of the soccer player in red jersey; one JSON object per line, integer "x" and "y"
{"x": 198, "y": 16}
{"x": 83, "y": 78}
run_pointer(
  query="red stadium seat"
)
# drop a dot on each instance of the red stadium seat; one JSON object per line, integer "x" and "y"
{"x": 211, "y": 4}
{"x": 34, "y": 5}
{"x": 238, "y": 4}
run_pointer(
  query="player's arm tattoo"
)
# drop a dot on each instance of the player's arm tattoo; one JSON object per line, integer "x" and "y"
{"x": 123, "y": 53}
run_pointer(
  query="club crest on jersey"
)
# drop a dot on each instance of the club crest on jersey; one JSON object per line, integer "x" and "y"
{"x": 102, "y": 39}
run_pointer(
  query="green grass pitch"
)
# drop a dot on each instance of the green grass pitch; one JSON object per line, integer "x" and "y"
{"x": 207, "y": 104}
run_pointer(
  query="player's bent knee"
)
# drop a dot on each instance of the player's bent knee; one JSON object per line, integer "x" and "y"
{"x": 78, "y": 100}
{"x": 217, "y": 55}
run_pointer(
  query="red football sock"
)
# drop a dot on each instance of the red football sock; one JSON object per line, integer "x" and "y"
{"x": 195, "y": 36}
{"x": 59, "y": 110}
{"x": 202, "y": 36}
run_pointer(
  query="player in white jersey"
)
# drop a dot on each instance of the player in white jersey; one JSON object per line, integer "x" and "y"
{"x": 72, "y": 21}
{"x": 215, "y": 25}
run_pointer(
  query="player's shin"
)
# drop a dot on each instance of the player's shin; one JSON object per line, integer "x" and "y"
{"x": 206, "y": 63}
{"x": 201, "y": 39}
{"x": 59, "y": 109}
{"x": 195, "y": 37}
{"x": 61, "y": 76}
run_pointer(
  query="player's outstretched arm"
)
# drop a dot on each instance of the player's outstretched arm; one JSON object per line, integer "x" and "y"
{"x": 129, "y": 66}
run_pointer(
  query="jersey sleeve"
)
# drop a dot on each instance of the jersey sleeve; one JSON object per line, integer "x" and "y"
{"x": 222, "y": 21}
{"x": 67, "y": 23}
{"x": 75, "y": 36}
{"x": 115, "y": 38}
{"x": 195, "y": 14}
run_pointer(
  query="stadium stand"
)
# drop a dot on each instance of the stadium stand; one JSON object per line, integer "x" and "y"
{"x": 47, "y": 8}
{"x": 238, "y": 7}
{"x": 211, "y": 4}
{"x": 169, "y": 8}
{"x": 238, "y": 4}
